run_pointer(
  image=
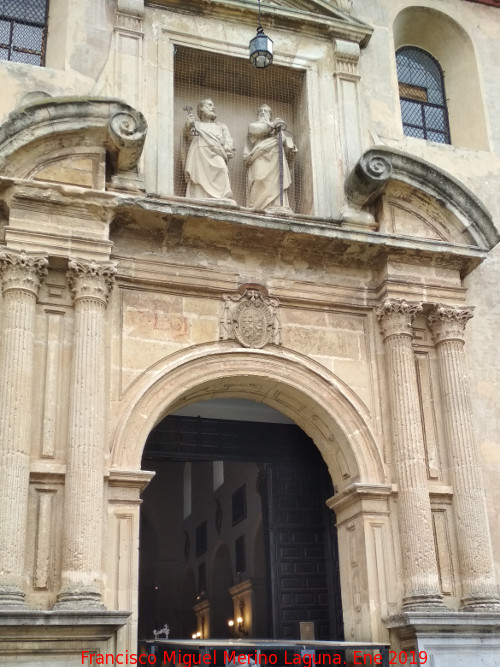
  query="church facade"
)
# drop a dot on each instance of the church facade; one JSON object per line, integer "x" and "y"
{"x": 320, "y": 237}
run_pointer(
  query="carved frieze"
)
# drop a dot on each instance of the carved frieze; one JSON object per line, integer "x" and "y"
{"x": 250, "y": 317}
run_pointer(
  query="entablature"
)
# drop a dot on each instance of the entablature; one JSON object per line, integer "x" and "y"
{"x": 311, "y": 16}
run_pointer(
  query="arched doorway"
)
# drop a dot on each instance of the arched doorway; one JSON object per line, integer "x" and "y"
{"x": 327, "y": 410}
{"x": 247, "y": 492}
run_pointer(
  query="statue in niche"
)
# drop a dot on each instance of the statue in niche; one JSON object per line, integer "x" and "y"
{"x": 268, "y": 153}
{"x": 206, "y": 148}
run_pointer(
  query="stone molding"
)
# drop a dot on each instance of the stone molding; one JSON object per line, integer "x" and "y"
{"x": 301, "y": 388}
{"x": 316, "y": 17}
{"x": 445, "y": 635}
{"x": 250, "y": 317}
{"x": 129, "y": 15}
{"x": 346, "y": 58}
{"x": 20, "y": 271}
{"x": 91, "y": 280}
{"x": 378, "y": 166}
{"x": 107, "y": 122}
{"x": 359, "y": 492}
{"x": 449, "y": 322}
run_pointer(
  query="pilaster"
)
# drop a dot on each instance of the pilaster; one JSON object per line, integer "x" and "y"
{"x": 90, "y": 284}
{"x": 21, "y": 275}
{"x": 420, "y": 569}
{"x": 347, "y": 82}
{"x": 128, "y": 51}
{"x": 479, "y": 587}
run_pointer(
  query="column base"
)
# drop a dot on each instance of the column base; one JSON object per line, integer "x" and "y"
{"x": 78, "y": 600}
{"x": 423, "y": 602}
{"x": 12, "y": 596}
{"x": 448, "y": 638}
{"x": 480, "y": 604}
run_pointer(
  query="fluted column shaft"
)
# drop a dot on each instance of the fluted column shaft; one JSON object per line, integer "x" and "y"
{"x": 479, "y": 587}
{"x": 21, "y": 277}
{"x": 82, "y": 545}
{"x": 415, "y": 520}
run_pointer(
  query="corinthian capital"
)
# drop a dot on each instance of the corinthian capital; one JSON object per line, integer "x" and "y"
{"x": 90, "y": 280}
{"x": 448, "y": 322}
{"x": 20, "y": 271}
{"x": 396, "y": 317}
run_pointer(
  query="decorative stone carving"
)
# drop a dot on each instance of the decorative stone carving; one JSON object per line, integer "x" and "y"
{"x": 479, "y": 589}
{"x": 129, "y": 15}
{"x": 346, "y": 58}
{"x": 206, "y": 148}
{"x": 21, "y": 277}
{"x": 377, "y": 166}
{"x": 127, "y": 133}
{"x": 91, "y": 280}
{"x": 21, "y": 271}
{"x": 368, "y": 179}
{"x": 415, "y": 519}
{"x": 344, "y": 5}
{"x": 448, "y": 323}
{"x": 396, "y": 317}
{"x": 90, "y": 284}
{"x": 54, "y": 127}
{"x": 250, "y": 317}
{"x": 267, "y": 154}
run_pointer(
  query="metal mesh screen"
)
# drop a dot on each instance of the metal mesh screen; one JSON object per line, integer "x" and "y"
{"x": 421, "y": 91}
{"x": 23, "y": 30}
{"x": 238, "y": 91}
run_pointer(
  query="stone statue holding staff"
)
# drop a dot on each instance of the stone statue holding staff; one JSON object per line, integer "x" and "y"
{"x": 267, "y": 155}
{"x": 206, "y": 148}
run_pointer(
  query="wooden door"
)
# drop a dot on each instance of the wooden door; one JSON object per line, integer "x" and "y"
{"x": 303, "y": 550}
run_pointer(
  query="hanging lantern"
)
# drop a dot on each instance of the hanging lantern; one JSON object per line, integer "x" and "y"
{"x": 261, "y": 50}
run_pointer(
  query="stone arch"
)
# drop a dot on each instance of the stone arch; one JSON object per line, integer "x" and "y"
{"x": 73, "y": 140}
{"x": 321, "y": 404}
{"x": 446, "y": 40}
{"x": 463, "y": 217}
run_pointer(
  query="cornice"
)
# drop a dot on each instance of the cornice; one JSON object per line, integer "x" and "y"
{"x": 320, "y": 18}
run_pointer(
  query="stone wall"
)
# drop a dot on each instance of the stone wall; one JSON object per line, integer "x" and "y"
{"x": 118, "y": 292}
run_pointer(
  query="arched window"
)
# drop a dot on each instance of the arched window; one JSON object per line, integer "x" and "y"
{"x": 421, "y": 92}
{"x": 23, "y": 30}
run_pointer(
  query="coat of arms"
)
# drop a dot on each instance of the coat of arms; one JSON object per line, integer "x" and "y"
{"x": 250, "y": 317}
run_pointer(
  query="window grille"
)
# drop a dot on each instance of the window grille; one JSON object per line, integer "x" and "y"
{"x": 421, "y": 93}
{"x": 23, "y": 30}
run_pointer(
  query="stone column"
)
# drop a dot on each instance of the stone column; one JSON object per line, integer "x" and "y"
{"x": 21, "y": 278}
{"x": 91, "y": 284}
{"x": 414, "y": 509}
{"x": 479, "y": 588}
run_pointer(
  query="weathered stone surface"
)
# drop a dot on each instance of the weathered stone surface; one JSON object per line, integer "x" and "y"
{"x": 85, "y": 381}
{"x": 21, "y": 275}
